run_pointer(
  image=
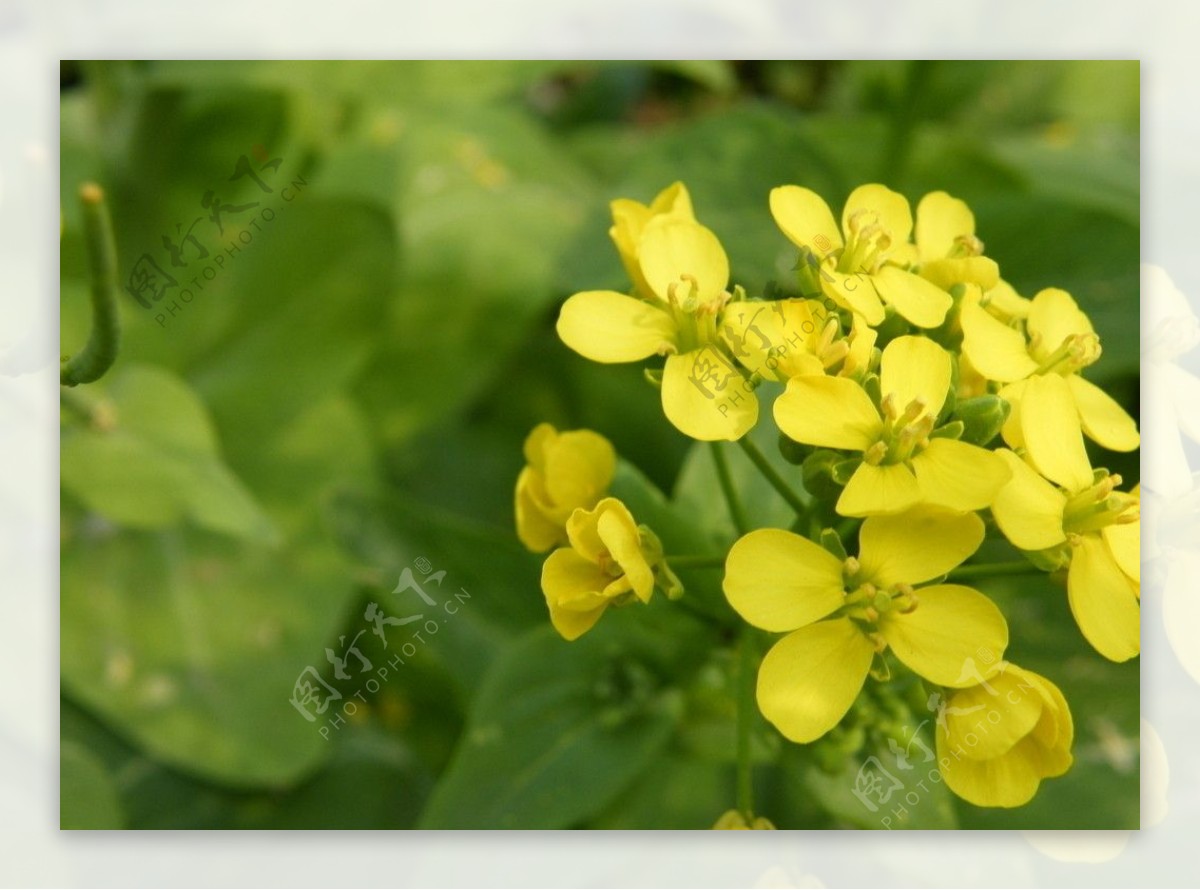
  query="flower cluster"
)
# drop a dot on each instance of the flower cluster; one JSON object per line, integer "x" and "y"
{"x": 921, "y": 397}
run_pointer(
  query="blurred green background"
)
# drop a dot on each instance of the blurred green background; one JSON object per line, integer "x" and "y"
{"x": 349, "y": 393}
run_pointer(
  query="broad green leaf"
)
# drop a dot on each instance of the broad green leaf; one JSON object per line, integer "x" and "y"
{"x": 557, "y": 732}
{"x": 190, "y": 646}
{"x": 158, "y": 465}
{"x": 87, "y": 795}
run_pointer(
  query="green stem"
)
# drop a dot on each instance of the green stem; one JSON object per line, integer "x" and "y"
{"x": 101, "y": 349}
{"x": 745, "y": 723}
{"x": 695, "y": 562}
{"x": 772, "y": 476}
{"x": 736, "y": 512}
{"x": 988, "y": 569}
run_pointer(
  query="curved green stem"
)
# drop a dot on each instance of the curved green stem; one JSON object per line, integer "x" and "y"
{"x": 736, "y": 511}
{"x": 746, "y": 716}
{"x": 772, "y": 475}
{"x": 987, "y": 569}
{"x": 101, "y": 350}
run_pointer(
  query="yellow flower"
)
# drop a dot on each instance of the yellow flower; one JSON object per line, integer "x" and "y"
{"x": 686, "y": 270}
{"x": 862, "y": 265}
{"x": 949, "y": 252}
{"x": 565, "y": 471}
{"x": 839, "y": 614}
{"x": 629, "y": 222}
{"x": 997, "y": 740}
{"x": 1040, "y": 365}
{"x": 605, "y": 565}
{"x": 781, "y": 339}
{"x": 903, "y": 464}
{"x": 732, "y": 820}
{"x": 1098, "y": 530}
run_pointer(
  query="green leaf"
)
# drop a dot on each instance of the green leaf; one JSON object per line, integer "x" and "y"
{"x": 88, "y": 797}
{"x": 191, "y": 646}
{"x": 159, "y": 463}
{"x": 884, "y": 788}
{"x": 558, "y": 730}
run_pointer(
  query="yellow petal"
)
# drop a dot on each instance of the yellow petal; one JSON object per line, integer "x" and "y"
{"x": 915, "y": 368}
{"x": 941, "y": 221}
{"x": 942, "y": 636}
{"x": 572, "y": 588}
{"x": 1054, "y": 316}
{"x": 873, "y": 203}
{"x": 679, "y": 253}
{"x": 772, "y": 337}
{"x": 1104, "y": 421}
{"x": 536, "y": 530}
{"x": 622, "y": 540}
{"x": 879, "y": 490}
{"x": 535, "y": 445}
{"x": 959, "y": 476}
{"x": 832, "y": 412}
{"x": 862, "y": 345}
{"x": 1011, "y": 431}
{"x": 1103, "y": 600}
{"x": 989, "y": 719}
{"x": 1050, "y": 428}
{"x": 606, "y": 326}
{"x": 629, "y": 222}
{"x": 780, "y": 581}
{"x": 854, "y": 291}
{"x": 706, "y": 397}
{"x": 805, "y": 218}
{"x": 921, "y": 302}
{"x": 979, "y": 270}
{"x": 1010, "y": 780}
{"x": 1125, "y": 545}
{"x": 1028, "y": 509}
{"x": 579, "y": 465}
{"x": 996, "y": 350}
{"x": 810, "y": 678}
{"x": 1004, "y": 300}
{"x": 916, "y": 545}
{"x": 673, "y": 199}
{"x": 1055, "y": 729}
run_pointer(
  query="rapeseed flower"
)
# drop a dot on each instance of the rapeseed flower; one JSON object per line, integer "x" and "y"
{"x": 564, "y": 471}
{"x": 904, "y": 462}
{"x": 840, "y": 615}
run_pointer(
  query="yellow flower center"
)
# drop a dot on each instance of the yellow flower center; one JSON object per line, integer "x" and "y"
{"x": 867, "y": 243}
{"x": 1074, "y": 353}
{"x": 1100, "y": 506}
{"x": 966, "y": 246}
{"x": 904, "y": 433}
{"x": 865, "y": 602}
{"x": 695, "y": 319}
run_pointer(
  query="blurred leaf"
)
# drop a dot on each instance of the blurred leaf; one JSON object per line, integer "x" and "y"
{"x": 89, "y": 798}
{"x": 675, "y": 792}
{"x": 488, "y": 204}
{"x": 911, "y": 799}
{"x": 159, "y": 464}
{"x": 486, "y": 565}
{"x": 557, "y": 731}
{"x": 191, "y": 646}
{"x": 307, "y": 303}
